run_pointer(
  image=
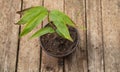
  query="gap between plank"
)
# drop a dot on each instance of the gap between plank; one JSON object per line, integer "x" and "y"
{"x": 86, "y": 36}
{"x": 17, "y": 55}
{"x": 40, "y": 46}
{"x": 102, "y": 37}
{"x": 63, "y": 57}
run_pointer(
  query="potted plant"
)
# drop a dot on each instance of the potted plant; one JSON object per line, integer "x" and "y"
{"x": 58, "y": 38}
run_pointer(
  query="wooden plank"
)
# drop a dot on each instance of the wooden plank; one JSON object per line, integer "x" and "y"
{"x": 8, "y": 34}
{"x": 111, "y": 33}
{"x": 29, "y": 53}
{"x": 49, "y": 63}
{"x": 77, "y": 62}
{"x": 94, "y": 36}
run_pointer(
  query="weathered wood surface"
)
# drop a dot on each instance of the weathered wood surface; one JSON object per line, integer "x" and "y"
{"x": 77, "y": 62}
{"x": 111, "y": 34}
{"x": 8, "y": 34}
{"x": 29, "y": 50}
{"x": 48, "y": 63}
{"x": 98, "y": 50}
{"x": 94, "y": 36}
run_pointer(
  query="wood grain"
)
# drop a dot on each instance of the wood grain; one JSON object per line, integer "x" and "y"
{"x": 29, "y": 53}
{"x": 8, "y": 34}
{"x": 111, "y": 33}
{"x": 49, "y": 63}
{"x": 98, "y": 49}
{"x": 77, "y": 62}
{"x": 94, "y": 36}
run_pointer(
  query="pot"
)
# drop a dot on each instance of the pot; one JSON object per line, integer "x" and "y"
{"x": 56, "y": 46}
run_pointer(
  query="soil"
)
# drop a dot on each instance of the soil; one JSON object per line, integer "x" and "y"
{"x": 58, "y": 46}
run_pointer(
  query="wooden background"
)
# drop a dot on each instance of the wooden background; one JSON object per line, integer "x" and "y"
{"x": 99, "y": 48}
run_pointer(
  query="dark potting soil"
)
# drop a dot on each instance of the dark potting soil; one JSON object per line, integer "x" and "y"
{"x": 57, "y": 45}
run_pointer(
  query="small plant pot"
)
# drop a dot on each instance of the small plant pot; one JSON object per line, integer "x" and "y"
{"x": 56, "y": 46}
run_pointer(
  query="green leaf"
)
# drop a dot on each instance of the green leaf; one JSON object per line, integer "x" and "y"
{"x": 58, "y": 21}
{"x": 63, "y": 17}
{"x": 33, "y": 22}
{"x": 43, "y": 31}
{"x": 30, "y": 13}
{"x": 59, "y": 33}
{"x": 62, "y": 28}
